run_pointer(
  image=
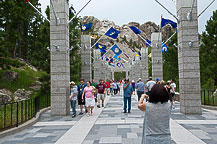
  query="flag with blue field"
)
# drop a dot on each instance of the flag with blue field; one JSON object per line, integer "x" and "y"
{"x": 116, "y": 49}
{"x": 164, "y": 48}
{"x": 135, "y": 29}
{"x": 167, "y": 21}
{"x": 86, "y": 27}
{"x": 113, "y": 33}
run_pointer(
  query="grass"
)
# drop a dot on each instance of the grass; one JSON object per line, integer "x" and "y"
{"x": 25, "y": 79}
{"x": 207, "y": 98}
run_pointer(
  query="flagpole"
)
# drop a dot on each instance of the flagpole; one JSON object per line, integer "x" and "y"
{"x": 79, "y": 12}
{"x": 99, "y": 38}
{"x": 170, "y": 37}
{"x": 140, "y": 37}
{"x": 144, "y": 40}
{"x": 38, "y": 11}
{"x": 54, "y": 12}
{"x": 167, "y": 10}
{"x": 160, "y": 28}
{"x": 205, "y": 8}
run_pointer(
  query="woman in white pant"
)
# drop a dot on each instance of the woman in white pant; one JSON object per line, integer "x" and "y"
{"x": 89, "y": 97}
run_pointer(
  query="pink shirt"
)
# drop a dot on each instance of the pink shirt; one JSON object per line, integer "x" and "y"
{"x": 88, "y": 92}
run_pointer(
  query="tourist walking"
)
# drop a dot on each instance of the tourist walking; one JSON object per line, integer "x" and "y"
{"x": 94, "y": 84}
{"x": 107, "y": 84}
{"x": 150, "y": 84}
{"x": 156, "y": 126}
{"x": 101, "y": 93}
{"x": 128, "y": 91}
{"x": 134, "y": 86}
{"x": 140, "y": 87}
{"x": 73, "y": 98}
{"x": 88, "y": 93}
{"x": 115, "y": 87}
{"x": 81, "y": 102}
{"x": 111, "y": 87}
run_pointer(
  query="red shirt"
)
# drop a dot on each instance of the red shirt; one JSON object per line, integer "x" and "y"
{"x": 107, "y": 84}
{"x": 101, "y": 88}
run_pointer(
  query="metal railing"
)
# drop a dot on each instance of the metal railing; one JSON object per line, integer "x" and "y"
{"x": 209, "y": 97}
{"x": 16, "y": 113}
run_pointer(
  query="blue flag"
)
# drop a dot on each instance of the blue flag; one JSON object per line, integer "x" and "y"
{"x": 111, "y": 60}
{"x": 122, "y": 65}
{"x": 148, "y": 42}
{"x": 135, "y": 30}
{"x": 118, "y": 64}
{"x": 113, "y": 33}
{"x": 167, "y": 21}
{"x": 111, "y": 64}
{"x": 116, "y": 49}
{"x": 86, "y": 27}
{"x": 117, "y": 57}
{"x": 101, "y": 47}
{"x": 164, "y": 48}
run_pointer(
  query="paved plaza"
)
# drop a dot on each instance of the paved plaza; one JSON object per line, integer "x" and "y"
{"x": 111, "y": 125}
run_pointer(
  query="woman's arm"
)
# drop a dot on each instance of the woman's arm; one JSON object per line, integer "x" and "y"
{"x": 83, "y": 94}
{"x": 141, "y": 105}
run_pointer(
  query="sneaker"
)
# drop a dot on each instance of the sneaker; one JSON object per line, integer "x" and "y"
{"x": 102, "y": 105}
{"x": 73, "y": 116}
{"x": 91, "y": 112}
{"x": 86, "y": 110}
{"x": 128, "y": 111}
{"x": 88, "y": 115}
{"x": 125, "y": 112}
{"x": 81, "y": 113}
{"x": 98, "y": 106}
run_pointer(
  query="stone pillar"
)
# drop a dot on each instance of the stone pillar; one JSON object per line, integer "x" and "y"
{"x": 188, "y": 59}
{"x": 113, "y": 75}
{"x": 97, "y": 65}
{"x": 156, "y": 51}
{"x": 86, "y": 71}
{"x": 127, "y": 74}
{"x": 144, "y": 64}
{"x": 59, "y": 61}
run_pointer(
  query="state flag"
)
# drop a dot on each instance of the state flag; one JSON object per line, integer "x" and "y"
{"x": 86, "y": 27}
{"x": 117, "y": 57}
{"x": 167, "y": 21}
{"x": 135, "y": 29}
{"x": 164, "y": 48}
{"x": 113, "y": 33}
{"x": 116, "y": 49}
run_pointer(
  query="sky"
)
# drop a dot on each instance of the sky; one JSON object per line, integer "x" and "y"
{"x": 125, "y": 11}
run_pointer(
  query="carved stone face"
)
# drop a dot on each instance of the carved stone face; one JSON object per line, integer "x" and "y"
{"x": 105, "y": 23}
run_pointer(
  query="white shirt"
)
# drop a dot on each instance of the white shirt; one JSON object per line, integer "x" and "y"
{"x": 173, "y": 85}
{"x": 150, "y": 84}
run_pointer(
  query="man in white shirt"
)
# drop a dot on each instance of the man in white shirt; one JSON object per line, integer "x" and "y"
{"x": 150, "y": 84}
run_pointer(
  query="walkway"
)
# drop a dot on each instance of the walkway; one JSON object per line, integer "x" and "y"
{"x": 110, "y": 125}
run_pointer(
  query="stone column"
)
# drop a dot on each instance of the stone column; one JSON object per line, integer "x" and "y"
{"x": 188, "y": 59}
{"x": 97, "y": 65}
{"x": 144, "y": 64}
{"x": 86, "y": 71}
{"x": 113, "y": 74}
{"x": 156, "y": 51}
{"x": 59, "y": 62}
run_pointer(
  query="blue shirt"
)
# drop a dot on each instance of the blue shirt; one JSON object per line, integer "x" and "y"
{"x": 81, "y": 89}
{"x": 140, "y": 86}
{"x": 128, "y": 90}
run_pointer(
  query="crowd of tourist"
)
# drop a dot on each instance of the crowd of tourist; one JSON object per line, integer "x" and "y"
{"x": 155, "y": 98}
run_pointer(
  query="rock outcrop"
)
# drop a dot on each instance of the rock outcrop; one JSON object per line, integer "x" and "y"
{"x": 22, "y": 94}
{"x": 5, "y": 96}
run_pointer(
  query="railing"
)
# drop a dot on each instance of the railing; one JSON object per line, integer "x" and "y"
{"x": 14, "y": 114}
{"x": 208, "y": 97}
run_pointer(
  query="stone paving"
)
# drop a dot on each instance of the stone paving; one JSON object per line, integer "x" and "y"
{"x": 111, "y": 125}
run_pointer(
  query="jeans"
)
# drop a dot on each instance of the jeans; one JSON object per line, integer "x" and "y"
{"x": 125, "y": 103}
{"x": 139, "y": 93}
{"x": 73, "y": 106}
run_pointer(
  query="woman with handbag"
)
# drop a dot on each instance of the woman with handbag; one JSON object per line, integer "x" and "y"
{"x": 89, "y": 97}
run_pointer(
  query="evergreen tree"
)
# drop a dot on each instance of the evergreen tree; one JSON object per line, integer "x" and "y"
{"x": 208, "y": 53}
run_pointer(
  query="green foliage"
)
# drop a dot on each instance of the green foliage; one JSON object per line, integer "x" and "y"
{"x": 120, "y": 75}
{"x": 170, "y": 65}
{"x": 208, "y": 53}
{"x": 8, "y": 62}
{"x": 25, "y": 79}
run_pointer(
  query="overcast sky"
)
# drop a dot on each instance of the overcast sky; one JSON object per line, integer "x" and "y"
{"x": 125, "y": 11}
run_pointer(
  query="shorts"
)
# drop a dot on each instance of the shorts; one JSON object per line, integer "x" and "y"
{"x": 107, "y": 89}
{"x": 89, "y": 102}
{"x": 80, "y": 102}
{"x": 101, "y": 96}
